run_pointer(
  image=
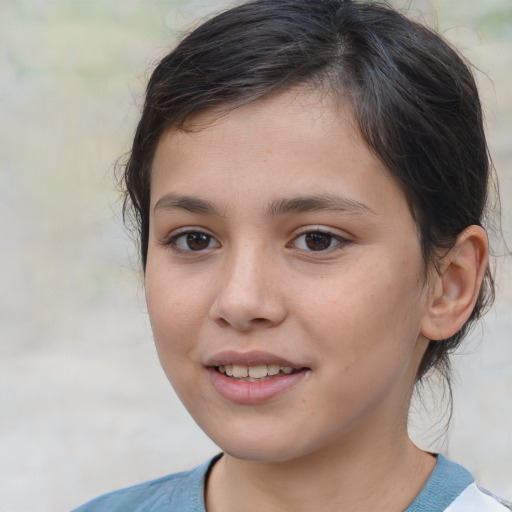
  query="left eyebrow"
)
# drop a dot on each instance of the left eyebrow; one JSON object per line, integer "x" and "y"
{"x": 284, "y": 206}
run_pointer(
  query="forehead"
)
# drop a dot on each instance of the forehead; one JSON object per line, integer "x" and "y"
{"x": 286, "y": 145}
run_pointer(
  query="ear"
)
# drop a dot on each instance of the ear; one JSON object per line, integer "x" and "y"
{"x": 454, "y": 290}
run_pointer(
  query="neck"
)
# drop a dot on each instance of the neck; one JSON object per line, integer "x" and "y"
{"x": 384, "y": 476}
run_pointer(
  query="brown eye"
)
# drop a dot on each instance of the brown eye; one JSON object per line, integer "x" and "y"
{"x": 318, "y": 241}
{"x": 192, "y": 241}
{"x": 198, "y": 241}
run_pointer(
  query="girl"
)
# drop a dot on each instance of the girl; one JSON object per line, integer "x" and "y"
{"x": 309, "y": 179}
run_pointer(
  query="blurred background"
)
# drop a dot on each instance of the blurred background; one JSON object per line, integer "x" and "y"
{"x": 84, "y": 406}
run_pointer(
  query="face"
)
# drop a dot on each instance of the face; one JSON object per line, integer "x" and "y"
{"x": 284, "y": 280}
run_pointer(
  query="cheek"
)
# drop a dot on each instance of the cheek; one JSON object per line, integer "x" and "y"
{"x": 367, "y": 313}
{"x": 366, "y": 332}
{"x": 175, "y": 315}
{"x": 176, "y": 311}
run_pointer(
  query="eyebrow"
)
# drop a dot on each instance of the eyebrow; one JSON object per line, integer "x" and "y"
{"x": 277, "y": 207}
{"x": 187, "y": 203}
{"x": 317, "y": 203}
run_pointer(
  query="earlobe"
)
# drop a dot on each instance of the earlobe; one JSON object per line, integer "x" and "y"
{"x": 455, "y": 289}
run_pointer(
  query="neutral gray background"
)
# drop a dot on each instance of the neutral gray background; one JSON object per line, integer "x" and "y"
{"x": 84, "y": 406}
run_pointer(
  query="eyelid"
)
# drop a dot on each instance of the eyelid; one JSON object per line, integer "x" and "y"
{"x": 319, "y": 228}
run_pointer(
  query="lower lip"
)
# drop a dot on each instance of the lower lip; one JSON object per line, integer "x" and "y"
{"x": 250, "y": 393}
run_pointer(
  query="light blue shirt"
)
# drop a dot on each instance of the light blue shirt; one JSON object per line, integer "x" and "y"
{"x": 450, "y": 488}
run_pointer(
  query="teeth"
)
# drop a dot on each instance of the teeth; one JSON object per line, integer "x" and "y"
{"x": 253, "y": 373}
{"x": 257, "y": 372}
{"x": 273, "y": 369}
{"x": 240, "y": 371}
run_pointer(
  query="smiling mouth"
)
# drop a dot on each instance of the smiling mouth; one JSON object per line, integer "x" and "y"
{"x": 257, "y": 373}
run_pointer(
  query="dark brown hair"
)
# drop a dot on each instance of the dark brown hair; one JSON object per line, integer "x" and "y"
{"x": 413, "y": 97}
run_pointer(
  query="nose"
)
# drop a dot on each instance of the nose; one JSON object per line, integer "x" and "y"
{"x": 250, "y": 293}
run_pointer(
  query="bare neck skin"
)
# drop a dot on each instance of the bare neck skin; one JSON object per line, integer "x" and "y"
{"x": 385, "y": 474}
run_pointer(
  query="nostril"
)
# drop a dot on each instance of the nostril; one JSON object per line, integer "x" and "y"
{"x": 243, "y": 325}
{"x": 228, "y": 310}
{"x": 222, "y": 322}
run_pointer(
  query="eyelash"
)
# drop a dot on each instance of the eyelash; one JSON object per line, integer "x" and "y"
{"x": 182, "y": 234}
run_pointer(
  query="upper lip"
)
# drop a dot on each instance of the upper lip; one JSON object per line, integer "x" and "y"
{"x": 252, "y": 358}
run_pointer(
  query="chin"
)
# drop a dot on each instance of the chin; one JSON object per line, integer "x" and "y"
{"x": 260, "y": 445}
{"x": 267, "y": 454}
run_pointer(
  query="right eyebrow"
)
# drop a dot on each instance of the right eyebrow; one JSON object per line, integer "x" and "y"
{"x": 188, "y": 203}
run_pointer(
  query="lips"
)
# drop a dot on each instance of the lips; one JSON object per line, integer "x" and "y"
{"x": 253, "y": 377}
{"x": 252, "y": 358}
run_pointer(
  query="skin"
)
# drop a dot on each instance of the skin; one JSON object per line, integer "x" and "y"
{"x": 355, "y": 314}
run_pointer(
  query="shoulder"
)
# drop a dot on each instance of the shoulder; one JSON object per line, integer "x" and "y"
{"x": 137, "y": 497}
{"x": 451, "y": 488}
{"x": 475, "y": 499}
{"x": 177, "y": 492}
